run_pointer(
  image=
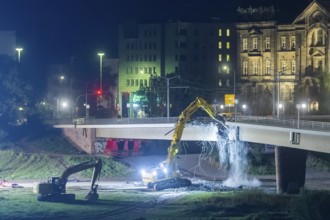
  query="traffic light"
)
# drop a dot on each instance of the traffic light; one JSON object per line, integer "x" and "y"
{"x": 99, "y": 92}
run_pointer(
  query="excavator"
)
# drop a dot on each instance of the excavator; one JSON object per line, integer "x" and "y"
{"x": 54, "y": 190}
{"x": 166, "y": 174}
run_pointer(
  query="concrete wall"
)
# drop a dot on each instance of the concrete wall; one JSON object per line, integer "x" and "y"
{"x": 81, "y": 137}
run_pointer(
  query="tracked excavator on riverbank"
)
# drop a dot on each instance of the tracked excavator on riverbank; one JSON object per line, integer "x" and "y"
{"x": 166, "y": 174}
{"x": 54, "y": 190}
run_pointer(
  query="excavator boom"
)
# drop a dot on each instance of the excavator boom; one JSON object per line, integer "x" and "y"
{"x": 170, "y": 178}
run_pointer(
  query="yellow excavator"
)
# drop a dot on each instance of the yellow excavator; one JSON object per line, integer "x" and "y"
{"x": 54, "y": 190}
{"x": 166, "y": 174}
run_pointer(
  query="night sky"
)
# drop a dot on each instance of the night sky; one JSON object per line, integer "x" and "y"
{"x": 53, "y": 31}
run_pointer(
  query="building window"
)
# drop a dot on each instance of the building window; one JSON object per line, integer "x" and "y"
{"x": 283, "y": 43}
{"x": 255, "y": 43}
{"x": 145, "y": 83}
{"x": 255, "y": 67}
{"x": 267, "y": 67}
{"x": 292, "y": 42}
{"x": 136, "y": 82}
{"x": 220, "y": 45}
{"x": 245, "y": 45}
{"x": 227, "y": 57}
{"x": 228, "y": 45}
{"x": 227, "y": 32}
{"x": 220, "y": 57}
{"x": 141, "y": 82}
{"x": 245, "y": 68}
{"x": 132, "y": 82}
{"x": 220, "y": 32}
{"x": 293, "y": 67}
{"x": 128, "y": 82}
{"x": 267, "y": 43}
{"x": 319, "y": 38}
{"x": 283, "y": 66}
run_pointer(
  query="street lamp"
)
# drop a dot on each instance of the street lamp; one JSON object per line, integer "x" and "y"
{"x": 19, "y": 54}
{"x": 299, "y": 106}
{"x": 227, "y": 69}
{"x": 168, "y": 94}
{"x": 101, "y": 55}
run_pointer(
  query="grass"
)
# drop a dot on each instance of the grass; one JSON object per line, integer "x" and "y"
{"x": 21, "y": 203}
{"x": 18, "y": 165}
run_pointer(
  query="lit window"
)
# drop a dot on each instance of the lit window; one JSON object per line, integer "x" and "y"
{"x": 227, "y": 32}
{"x": 283, "y": 66}
{"x": 267, "y": 43}
{"x": 267, "y": 67}
{"x": 293, "y": 42}
{"x": 293, "y": 67}
{"x": 255, "y": 44}
{"x": 245, "y": 68}
{"x": 255, "y": 67}
{"x": 220, "y": 57}
{"x": 319, "y": 37}
{"x": 227, "y": 57}
{"x": 220, "y": 32}
{"x": 245, "y": 45}
{"x": 220, "y": 44}
{"x": 283, "y": 42}
{"x": 228, "y": 45}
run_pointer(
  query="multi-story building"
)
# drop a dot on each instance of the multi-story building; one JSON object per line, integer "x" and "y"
{"x": 8, "y": 43}
{"x": 283, "y": 65}
{"x": 197, "y": 52}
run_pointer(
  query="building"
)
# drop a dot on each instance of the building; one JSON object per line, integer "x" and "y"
{"x": 8, "y": 43}
{"x": 282, "y": 66}
{"x": 197, "y": 52}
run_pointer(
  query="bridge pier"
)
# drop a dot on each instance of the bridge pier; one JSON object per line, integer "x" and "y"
{"x": 290, "y": 169}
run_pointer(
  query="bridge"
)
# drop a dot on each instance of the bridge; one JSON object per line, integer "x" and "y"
{"x": 292, "y": 138}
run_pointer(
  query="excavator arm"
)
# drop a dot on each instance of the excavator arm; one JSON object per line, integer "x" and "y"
{"x": 171, "y": 179}
{"x": 182, "y": 121}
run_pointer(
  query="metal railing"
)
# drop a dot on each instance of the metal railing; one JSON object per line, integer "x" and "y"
{"x": 286, "y": 123}
{"x": 257, "y": 120}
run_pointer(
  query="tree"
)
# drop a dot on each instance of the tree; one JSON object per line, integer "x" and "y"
{"x": 14, "y": 95}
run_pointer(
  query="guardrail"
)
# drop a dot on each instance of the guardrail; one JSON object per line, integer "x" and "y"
{"x": 287, "y": 123}
{"x": 269, "y": 121}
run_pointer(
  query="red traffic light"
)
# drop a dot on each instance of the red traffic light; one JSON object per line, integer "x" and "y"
{"x": 99, "y": 92}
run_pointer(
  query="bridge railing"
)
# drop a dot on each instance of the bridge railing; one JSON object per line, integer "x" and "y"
{"x": 104, "y": 121}
{"x": 258, "y": 120}
{"x": 288, "y": 123}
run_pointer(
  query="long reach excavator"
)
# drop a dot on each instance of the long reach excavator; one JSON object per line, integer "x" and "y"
{"x": 166, "y": 174}
{"x": 54, "y": 190}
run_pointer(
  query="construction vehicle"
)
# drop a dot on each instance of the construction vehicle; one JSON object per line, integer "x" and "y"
{"x": 54, "y": 190}
{"x": 166, "y": 174}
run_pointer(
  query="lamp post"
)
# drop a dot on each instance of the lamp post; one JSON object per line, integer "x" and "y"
{"x": 226, "y": 68}
{"x": 19, "y": 54}
{"x": 101, "y": 55}
{"x": 299, "y": 106}
{"x": 168, "y": 94}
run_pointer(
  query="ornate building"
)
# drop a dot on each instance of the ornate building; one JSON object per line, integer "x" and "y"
{"x": 283, "y": 65}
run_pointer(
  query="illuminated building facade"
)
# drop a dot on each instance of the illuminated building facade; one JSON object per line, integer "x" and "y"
{"x": 195, "y": 51}
{"x": 282, "y": 65}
